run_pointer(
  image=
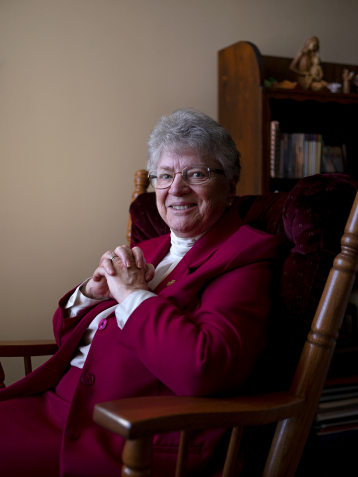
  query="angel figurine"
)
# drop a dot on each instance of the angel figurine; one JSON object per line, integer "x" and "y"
{"x": 307, "y": 66}
{"x": 316, "y": 83}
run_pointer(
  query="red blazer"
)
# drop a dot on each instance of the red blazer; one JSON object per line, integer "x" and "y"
{"x": 201, "y": 335}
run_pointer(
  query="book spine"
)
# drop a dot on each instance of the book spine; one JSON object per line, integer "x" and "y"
{"x": 318, "y": 153}
{"x": 306, "y": 156}
{"x": 289, "y": 156}
{"x": 302, "y": 155}
{"x": 294, "y": 156}
{"x": 282, "y": 161}
{"x": 313, "y": 155}
{"x": 275, "y": 149}
{"x": 285, "y": 154}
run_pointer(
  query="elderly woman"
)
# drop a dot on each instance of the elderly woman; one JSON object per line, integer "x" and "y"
{"x": 185, "y": 313}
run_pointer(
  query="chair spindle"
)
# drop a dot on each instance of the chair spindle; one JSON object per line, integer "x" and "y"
{"x": 28, "y": 365}
{"x": 137, "y": 457}
{"x": 2, "y": 377}
{"x": 232, "y": 451}
{"x": 182, "y": 454}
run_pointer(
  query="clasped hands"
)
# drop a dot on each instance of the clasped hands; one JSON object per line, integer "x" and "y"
{"x": 119, "y": 277}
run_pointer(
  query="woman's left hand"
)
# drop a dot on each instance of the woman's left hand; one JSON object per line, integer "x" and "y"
{"x": 126, "y": 273}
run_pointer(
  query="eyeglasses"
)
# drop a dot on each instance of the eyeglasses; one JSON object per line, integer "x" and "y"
{"x": 193, "y": 175}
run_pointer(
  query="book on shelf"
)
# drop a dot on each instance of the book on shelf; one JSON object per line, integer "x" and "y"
{"x": 298, "y": 155}
{"x": 349, "y": 401}
{"x": 275, "y": 161}
{"x": 334, "y": 393}
{"x": 338, "y": 407}
{"x": 348, "y": 426}
{"x": 337, "y": 414}
{"x": 333, "y": 158}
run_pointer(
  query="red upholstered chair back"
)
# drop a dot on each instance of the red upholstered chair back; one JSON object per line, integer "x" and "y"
{"x": 309, "y": 221}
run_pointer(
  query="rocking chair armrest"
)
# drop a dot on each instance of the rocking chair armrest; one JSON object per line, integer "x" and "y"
{"x": 27, "y": 348}
{"x": 144, "y": 416}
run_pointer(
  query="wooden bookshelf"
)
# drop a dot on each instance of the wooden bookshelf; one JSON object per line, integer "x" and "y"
{"x": 246, "y": 108}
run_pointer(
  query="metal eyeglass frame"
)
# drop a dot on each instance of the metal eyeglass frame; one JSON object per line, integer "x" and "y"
{"x": 219, "y": 171}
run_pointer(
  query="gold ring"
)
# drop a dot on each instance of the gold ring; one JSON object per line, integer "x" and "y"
{"x": 114, "y": 256}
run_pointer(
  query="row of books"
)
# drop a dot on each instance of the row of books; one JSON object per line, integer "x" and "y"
{"x": 299, "y": 155}
{"x": 337, "y": 410}
{"x": 338, "y": 407}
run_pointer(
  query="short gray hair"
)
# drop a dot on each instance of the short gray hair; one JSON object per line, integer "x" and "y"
{"x": 188, "y": 128}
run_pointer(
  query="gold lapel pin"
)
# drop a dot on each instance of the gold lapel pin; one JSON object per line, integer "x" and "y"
{"x": 170, "y": 283}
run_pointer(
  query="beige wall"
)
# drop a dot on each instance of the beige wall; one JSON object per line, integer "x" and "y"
{"x": 81, "y": 84}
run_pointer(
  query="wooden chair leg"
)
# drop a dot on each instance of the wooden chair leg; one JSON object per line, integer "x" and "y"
{"x": 28, "y": 369}
{"x": 232, "y": 451}
{"x": 28, "y": 365}
{"x": 182, "y": 454}
{"x": 2, "y": 377}
{"x": 137, "y": 458}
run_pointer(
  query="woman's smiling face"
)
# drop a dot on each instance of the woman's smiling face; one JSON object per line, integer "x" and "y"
{"x": 190, "y": 210}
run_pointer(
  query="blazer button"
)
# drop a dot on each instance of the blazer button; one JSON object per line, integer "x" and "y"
{"x": 102, "y": 324}
{"x": 87, "y": 379}
{"x": 72, "y": 433}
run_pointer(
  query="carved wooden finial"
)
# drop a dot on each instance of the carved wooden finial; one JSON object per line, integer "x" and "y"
{"x": 141, "y": 183}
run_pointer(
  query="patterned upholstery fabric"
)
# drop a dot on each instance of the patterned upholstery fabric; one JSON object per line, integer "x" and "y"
{"x": 309, "y": 221}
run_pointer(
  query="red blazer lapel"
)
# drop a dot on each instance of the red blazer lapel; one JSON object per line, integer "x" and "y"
{"x": 180, "y": 271}
{"x": 155, "y": 249}
{"x": 204, "y": 248}
{"x": 229, "y": 223}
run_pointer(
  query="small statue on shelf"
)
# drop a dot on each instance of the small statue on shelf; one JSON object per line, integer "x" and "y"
{"x": 316, "y": 83}
{"x": 347, "y": 77}
{"x": 307, "y": 66}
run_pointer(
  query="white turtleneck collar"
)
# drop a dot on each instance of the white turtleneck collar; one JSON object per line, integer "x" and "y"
{"x": 180, "y": 246}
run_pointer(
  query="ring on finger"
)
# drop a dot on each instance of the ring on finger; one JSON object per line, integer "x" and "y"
{"x": 112, "y": 255}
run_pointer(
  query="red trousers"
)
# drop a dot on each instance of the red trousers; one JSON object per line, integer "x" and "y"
{"x": 30, "y": 443}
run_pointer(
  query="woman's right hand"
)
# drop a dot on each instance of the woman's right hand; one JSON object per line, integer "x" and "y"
{"x": 97, "y": 287}
{"x": 98, "y": 290}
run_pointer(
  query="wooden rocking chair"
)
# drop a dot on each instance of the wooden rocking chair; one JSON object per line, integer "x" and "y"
{"x": 138, "y": 419}
{"x": 323, "y": 202}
